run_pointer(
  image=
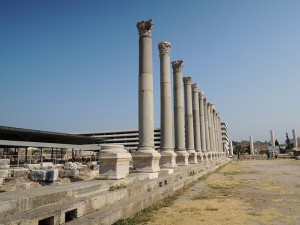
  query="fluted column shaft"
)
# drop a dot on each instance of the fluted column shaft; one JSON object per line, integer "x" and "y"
{"x": 196, "y": 117}
{"x": 166, "y": 119}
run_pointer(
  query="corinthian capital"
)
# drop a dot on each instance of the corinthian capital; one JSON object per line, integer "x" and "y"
{"x": 145, "y": 27}
{"x": 201, "y": 94}
{"x": 195, "y": 87}
{"x": 177, "y": 65}
{"x": 187, "y": 80}
{"x": 164, "y": 48}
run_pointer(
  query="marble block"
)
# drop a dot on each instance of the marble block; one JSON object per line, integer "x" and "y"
{"x": 4, "y": 163}
{"x": 32, "y": 166}
{"x": 44, "y": 175}
{"x": 146, "y": 162}
{"x": 114, "y": 162}
{"x": 70, "y": 166}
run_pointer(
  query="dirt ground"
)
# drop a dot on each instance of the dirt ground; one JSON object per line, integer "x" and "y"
{"x": 259, "y": 192}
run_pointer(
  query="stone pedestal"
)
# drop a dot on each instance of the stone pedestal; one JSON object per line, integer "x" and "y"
{"x": 114, "y": 162}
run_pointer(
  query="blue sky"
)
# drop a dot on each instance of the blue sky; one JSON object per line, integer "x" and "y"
{"x": 72, "y": 66}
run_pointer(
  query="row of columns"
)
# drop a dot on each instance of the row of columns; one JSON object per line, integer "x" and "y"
{"x": 197, "y": 125}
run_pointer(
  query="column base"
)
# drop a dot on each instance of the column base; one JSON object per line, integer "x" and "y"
{"x": 168, "y": 159}
{"x": 147, "y": 162}
{"x": 205, "y": 157}
{"x": 192, "y": 156}
{"x": 182, "y": 158}
{"x": 200, "y": 157}
{"x": 114, "y": 162}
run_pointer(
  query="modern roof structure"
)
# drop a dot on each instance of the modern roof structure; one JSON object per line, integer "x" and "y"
{"x": 13, "y": 137}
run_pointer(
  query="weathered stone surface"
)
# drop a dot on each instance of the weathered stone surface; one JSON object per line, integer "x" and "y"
{"x": 68, "y": 173}
{"x": 114, "y": 162}
{"x": 4, "y": 173}
{"x": 47, "y": 165}
{"x": 70, "y": 166}
{"x": 44, "y": 175}
{"x": 93, "y": 165}
{"x": 20, "y": 172}
{"x": 1, "y": 181}
{"x": 32, "y": 166}
{"x": 4, "y": 163}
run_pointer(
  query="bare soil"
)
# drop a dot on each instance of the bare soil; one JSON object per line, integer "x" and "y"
{"x": 259, "y": 192}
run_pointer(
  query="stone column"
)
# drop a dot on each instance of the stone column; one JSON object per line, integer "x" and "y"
{"x": 251, "y": 146}
{"x": 272, "y": 138}
{"x": 231, "y": 148}
{"x": 196, "y": 117}
{"x": 295, "y": 139}
{"x": 207, "y": 138}
{"x": 168, "y": 156}
{"x": 202, "y": 122}
{"x": 189, "y": 128}
{"x": 210, "y": 131}
{"x": 182, "y": 154}
{"x": 146, "y": 159}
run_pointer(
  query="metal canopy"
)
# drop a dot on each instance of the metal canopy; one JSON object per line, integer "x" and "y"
{"x": 28, "y": 135}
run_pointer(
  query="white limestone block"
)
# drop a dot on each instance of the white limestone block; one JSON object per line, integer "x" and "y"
{"x": 4, "y": 163}
{"x": 70, "y": 166}
{"x": 4, "y": 173}
{"x": 47, "y": 165}
{"x": 32, "y": 166}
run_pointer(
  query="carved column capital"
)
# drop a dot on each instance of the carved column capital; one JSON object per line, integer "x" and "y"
{"x": 187, "y": 80}
{"x": 201, "y": 95}
{"x": 177, "y": 65}
{"x": 195, "y": 87}
{"x": 145, "y": 27}
{"x": 164, "y": 48}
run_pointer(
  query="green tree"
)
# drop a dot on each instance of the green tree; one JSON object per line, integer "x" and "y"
{"x": 276, "y": 143}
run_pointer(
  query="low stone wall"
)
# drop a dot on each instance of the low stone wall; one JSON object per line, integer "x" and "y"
{"x": 91, "y": 202}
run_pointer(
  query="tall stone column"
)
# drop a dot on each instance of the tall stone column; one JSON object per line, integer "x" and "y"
{"x": 168, "y": 156}
{"x": 295, "y": 139}
{"x": 196, "y": 117}
{"x": 210, "y": 131}
{"x": 202, "y": 122}
{"x": 189, "y": 128}
{"x": 182, "y": 154}
{"x": 231, "y": 148}
{"x": 272, "y": 138}
{"x": 146, "y": 159}
{"x": 207, "y": 138}
{"x": 251, "y": 145}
